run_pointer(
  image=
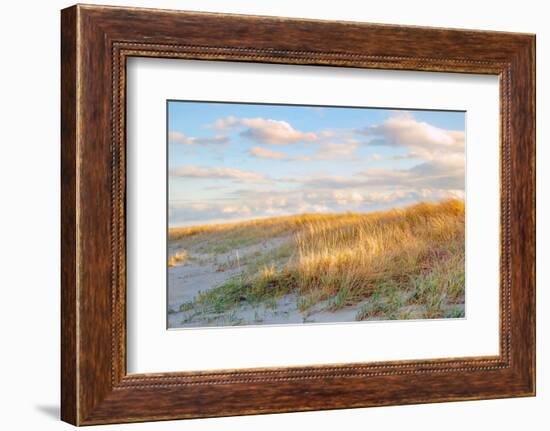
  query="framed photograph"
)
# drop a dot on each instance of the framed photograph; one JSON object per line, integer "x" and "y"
{"x": 357, "y": 217}
{"x": 263, "y": 214}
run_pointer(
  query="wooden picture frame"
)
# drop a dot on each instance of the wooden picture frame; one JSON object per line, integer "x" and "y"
{"x": 95, "y": 43}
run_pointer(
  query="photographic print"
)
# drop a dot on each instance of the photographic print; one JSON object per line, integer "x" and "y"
{"x": 291, "y": 214}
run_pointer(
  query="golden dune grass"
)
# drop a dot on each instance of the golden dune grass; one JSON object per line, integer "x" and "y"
{"x": 356, "y": 253}
{"x": 179, "y": 257}
{"x": 259, "y": 227}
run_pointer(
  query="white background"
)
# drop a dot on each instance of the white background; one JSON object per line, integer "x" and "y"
{"x": 151, "y": 348}
{"x": 29, "y": 229}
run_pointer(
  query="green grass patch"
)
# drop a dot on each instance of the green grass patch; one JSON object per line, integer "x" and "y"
{"x": 385, "y": 303}
{"x": 442, "y": 286}
{"x": 237, "y": 292}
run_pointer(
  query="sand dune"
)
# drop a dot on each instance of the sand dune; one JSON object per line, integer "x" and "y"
{"x": 404, "y": 263}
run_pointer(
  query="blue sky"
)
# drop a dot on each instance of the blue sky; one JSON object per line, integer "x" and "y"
{"x": 231, "y": 162}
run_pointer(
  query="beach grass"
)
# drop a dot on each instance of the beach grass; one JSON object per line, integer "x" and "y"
{"x": 401, "y": 263}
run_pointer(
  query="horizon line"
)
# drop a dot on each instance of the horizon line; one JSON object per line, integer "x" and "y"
{"x": 247, "y": 220}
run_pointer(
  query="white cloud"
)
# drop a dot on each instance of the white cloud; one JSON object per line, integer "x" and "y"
{"x": 445, "y": 173}
{"x": 274, "y": 132}
{"x": 331, "y": 151}
{"x": 217, "y": 173}
{"x": 326, "y": 181}
{"x": 424, "y": 140}
{"x": 451, "y": 166}
{"x": 346, "y": 197}
{"x": 224, "y": 123}
{"x": 265, "y": 130}
{"x": 325, "y": 151}
{"x": 236, "y": 209}
{"x": 175, "y": 137}
{"x": 265, "y": 153}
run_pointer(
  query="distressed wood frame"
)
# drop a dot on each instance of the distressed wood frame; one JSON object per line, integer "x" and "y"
{"x": 95, "y": 43}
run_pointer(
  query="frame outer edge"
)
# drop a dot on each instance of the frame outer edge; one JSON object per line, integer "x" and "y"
{"x": 69, "y": 411}
{"x": 533, "y": 53}
{"x": 532, "y": 101}
{"x": 523, "y": 217}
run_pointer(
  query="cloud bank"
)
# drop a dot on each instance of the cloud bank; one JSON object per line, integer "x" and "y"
{"x": 394, "y": 162}
{"x": 217, "y": 173}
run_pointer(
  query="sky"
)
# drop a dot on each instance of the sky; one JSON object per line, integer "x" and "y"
{"x": 230, "y": 162}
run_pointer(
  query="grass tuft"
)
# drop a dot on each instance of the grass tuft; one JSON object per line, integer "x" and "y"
{"x": 179, "y": 257}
